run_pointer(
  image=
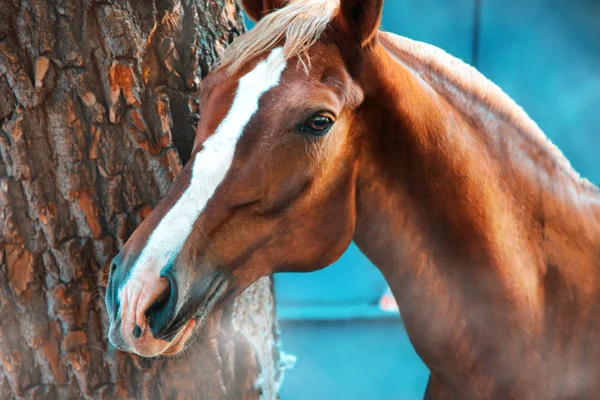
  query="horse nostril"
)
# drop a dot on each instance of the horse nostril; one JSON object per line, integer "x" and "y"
{"x": 160, "y": 313}
{"x": 137, "y": 332}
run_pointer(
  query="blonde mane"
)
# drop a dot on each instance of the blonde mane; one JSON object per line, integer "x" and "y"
{"x": 297, "y": 26}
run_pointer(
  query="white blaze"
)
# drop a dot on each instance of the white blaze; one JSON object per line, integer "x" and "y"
{"x": 210, "y": 167}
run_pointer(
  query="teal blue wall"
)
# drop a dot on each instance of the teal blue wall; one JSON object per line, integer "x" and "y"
{"x": 546, "y": 55}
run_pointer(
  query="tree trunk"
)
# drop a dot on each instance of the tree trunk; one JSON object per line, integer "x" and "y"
{"x": 97, "y": 113}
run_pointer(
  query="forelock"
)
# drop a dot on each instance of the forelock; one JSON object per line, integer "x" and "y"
{"x": 297, "y": 26}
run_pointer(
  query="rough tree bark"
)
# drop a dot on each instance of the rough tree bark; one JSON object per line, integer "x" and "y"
{"x": 97, "y": 112}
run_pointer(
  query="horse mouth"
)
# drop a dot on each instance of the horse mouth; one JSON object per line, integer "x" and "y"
{"x": 179, "y": 343}
{"x": 218, "y": 287}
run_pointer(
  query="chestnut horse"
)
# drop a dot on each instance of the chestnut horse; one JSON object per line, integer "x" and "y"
{"x": 318, "y": 129}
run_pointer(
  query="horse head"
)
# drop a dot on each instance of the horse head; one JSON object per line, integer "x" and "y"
{"x": 271, "y": 182}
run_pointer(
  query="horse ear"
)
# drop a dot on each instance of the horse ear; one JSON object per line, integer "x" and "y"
{"x": 362, "y": 18}
{"x": 256, "y": 9}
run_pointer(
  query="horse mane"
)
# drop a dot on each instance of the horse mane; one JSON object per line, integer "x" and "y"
{"x": 298, "y": 25}
{"x": 474, "y": 85}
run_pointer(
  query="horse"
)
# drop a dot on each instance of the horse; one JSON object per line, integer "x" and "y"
{"x": 316, "y": 129}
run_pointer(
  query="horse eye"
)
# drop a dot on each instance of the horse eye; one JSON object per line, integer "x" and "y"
{"x": 317, "y": 125}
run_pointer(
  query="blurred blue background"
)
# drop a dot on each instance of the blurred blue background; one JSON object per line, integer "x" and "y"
{"x": 543, "y": 53}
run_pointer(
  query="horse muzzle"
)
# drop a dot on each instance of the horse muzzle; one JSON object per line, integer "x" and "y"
{"x": 155, "y": 314}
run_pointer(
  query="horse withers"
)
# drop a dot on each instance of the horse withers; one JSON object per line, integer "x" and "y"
{"x": 318, "y": 129}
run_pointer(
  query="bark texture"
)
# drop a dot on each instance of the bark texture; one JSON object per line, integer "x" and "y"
{"x": 97, "y": 112}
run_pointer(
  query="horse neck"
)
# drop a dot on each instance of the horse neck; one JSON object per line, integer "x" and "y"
{"x": 452, "y": 191}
